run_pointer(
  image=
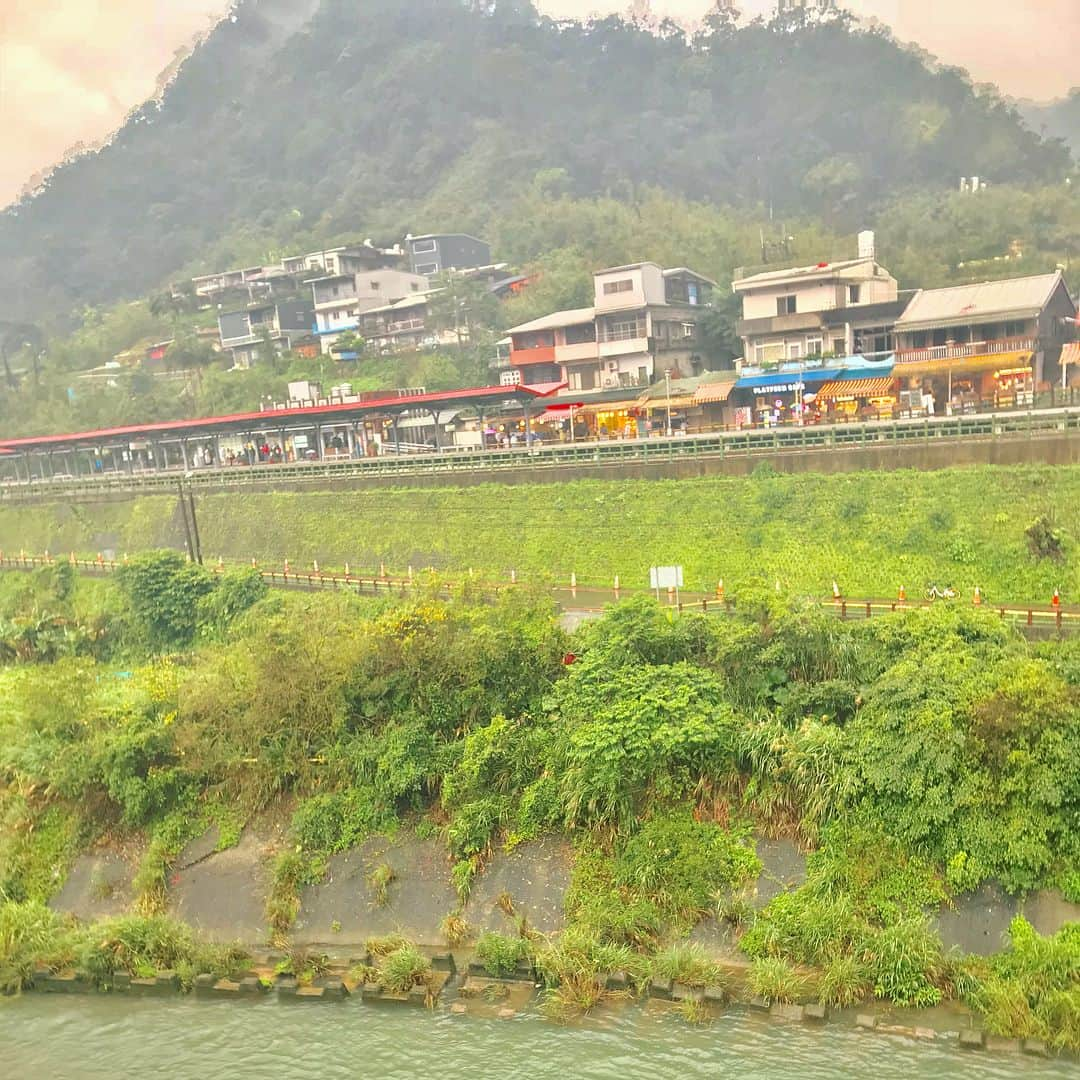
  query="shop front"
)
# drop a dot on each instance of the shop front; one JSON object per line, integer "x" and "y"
{"x": 968, "y": 384}
{"x": 780, "y": 397}
{"x": 857, "y": 398}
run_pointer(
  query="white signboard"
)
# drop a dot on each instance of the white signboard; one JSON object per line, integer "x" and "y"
{"x": 665, "y": 577}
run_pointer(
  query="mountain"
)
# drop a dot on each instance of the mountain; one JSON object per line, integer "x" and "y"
{"x": 1058, "y": 119}
{"x": 302, "y": 121}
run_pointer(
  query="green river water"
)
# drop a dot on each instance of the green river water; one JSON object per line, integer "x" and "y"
{"x": 86, "y": 1038}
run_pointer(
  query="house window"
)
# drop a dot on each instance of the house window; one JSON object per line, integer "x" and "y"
{"x": 428, "y": 268}
{"x": 768, "y": 354}
{"x": 785, "y": 305}
{"x": 853, "y": 294}
{"x": 375, "y": 286}
{"x": 687, "y": 329}
{"x": 624, "y": 329}
{"x": 423, "y": 246}
{"x": 839, "y": 346}
{"x": 794, "y": 350}
{"x": 813, "y": 346}
{"x": 624, "y": 285}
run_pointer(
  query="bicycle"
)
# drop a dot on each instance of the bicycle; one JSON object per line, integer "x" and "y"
{"x": 934, "y": 593}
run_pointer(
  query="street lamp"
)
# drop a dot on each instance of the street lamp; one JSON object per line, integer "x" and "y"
{"x": 667, "y": 383}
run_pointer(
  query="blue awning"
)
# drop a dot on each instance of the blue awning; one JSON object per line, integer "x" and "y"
{"x": 779, "y": 382}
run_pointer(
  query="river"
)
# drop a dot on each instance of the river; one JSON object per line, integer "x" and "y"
{"x": 87, "y": 1038}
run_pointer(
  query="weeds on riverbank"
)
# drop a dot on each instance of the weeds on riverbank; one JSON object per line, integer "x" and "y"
{"x": 32, "y": 936}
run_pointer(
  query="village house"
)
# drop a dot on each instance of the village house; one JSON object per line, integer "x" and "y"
{"x": 243, "y": 333}
{"x": 340, "y": 299}
{"x": 989, "y": 344}
{"x": 830, "y": 309}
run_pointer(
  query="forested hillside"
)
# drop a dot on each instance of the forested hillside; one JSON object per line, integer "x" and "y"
{"x": 298, "y": 123}
{"x": 1057, "y": 119}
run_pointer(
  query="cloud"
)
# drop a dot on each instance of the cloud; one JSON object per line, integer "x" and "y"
{"x": 71, "y": 69}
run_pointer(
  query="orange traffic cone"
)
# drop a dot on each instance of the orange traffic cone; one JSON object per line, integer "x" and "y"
{"x": 1056, "y": 601}
{"x": 902, "y": 595}
{"x": 977, "y": 598}
{"x": 720, "y": 590}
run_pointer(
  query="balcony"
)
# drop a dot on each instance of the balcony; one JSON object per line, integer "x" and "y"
{"x": 544, "y": 354}
{"x": 619, "y": 344}
{"x": 966, "y": 351}
{"x": 575, "y": 354}
{"x": 779, "y": 324}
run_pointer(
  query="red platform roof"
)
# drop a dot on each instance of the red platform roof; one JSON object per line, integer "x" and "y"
{"x": 269, "y": 418}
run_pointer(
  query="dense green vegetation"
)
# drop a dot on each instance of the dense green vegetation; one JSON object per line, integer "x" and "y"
{"x": 1011, "y": 531}
{"x": 918, "y": 756}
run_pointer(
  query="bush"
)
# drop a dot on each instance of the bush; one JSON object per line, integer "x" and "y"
{"x": 163, "y": 592}
{"x": 404, "y": 968}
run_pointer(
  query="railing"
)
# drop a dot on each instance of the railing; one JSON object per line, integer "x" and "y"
{"x": 968, "y": 349}
{"x": 580, "y": 597}
{"x": 627, "y": 333}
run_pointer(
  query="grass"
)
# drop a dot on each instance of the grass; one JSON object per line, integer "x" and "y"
{"x": 776, "y": 980}
{"x": 688, "y": 964}
{"x": 404, "y": 968}
{"x": 869, "y": 531}
{"x": 844, "y": 982}
{"x": 455, "y": 929}
{"x": 379, "y": 881}
{"x": 292, "y": 871}
{"x": 694, "y": 1011}
{"x": 500, "y": 954}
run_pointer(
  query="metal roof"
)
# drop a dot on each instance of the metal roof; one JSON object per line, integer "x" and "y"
{"x": 802, "y": 273}
{"x": 690, "y": 273}
{"x": 555, "y": 320}
{"x": 271, "y": 418}
{"x": 987, "y": 299}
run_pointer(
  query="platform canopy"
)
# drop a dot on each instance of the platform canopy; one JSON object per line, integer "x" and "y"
{"x": 291, "y": 419}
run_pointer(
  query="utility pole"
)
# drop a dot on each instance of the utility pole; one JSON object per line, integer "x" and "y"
{"x": 667, "y": 382}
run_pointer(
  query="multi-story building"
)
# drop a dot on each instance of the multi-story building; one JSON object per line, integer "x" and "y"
{"x": 829, "y": 309}
{"x": 988, "y": 343}
{"x": 340, "y": 299}
{"x": 436, "y": 253}
{"x": 243, "y": 333}
{"x": 643, "y": 322}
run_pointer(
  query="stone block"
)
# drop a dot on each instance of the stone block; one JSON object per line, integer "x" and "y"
{"x": 310, "y": 993}
{"x": 661, "y": 988}
{"x": 816, "y": 1011}
{"x": 759, "y": 1004}
{"x": 458, "y": 1008}
{"x": 866, "y": 1020}
{"x": 972, "y": 1039}
{"x": 784, "y": 1011}
{"x": 617, "y": 980}
{"x": 1000, "y": 1045}
{"x": 121, "y": 980}
{"x": 168, "y": 982}
{"x": 40, "y": 975}
{"x": 287, "y": 987}
{"x": 66, "y": 984}
{"x": 507, "y": 1014}
{"x": 680, "y": 992}
{"x": 370, "y": 992}
{"x": 334, "y": 989}
{"x": 204, "y": 983}
{"x": 251, "y": 984}
{"x": 714, "y": 995}
{"x": 444, "y": 962}
{"x": 1035, "y": 1048}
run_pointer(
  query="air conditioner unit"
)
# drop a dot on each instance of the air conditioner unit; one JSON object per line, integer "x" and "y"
{"x": 613, "y": 365}
{"x": 610, "y": 380}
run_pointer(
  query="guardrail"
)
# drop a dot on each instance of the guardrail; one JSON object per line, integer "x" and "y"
{"x": 576, "y": 597}
{"x": 1031, "y": 424}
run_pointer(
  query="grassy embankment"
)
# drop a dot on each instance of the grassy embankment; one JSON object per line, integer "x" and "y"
{"x": 871, "y": 532}
{"x": 919, "y": 756}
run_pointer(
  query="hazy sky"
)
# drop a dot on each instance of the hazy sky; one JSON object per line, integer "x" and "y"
{"x": 71, "y": 69}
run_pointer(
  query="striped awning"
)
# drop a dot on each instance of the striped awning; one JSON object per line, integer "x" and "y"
{"x": 982, "y": 362}
{"x": 710, "y": 392}
{"x": 1070, "y": 358}
{"x": 857, "y": 388}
